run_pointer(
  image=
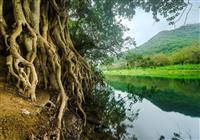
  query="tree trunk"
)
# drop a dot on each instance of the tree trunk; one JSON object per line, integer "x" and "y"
{"x": 41, "y": 52}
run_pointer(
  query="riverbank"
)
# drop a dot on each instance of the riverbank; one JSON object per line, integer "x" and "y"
{"x": 189, "y": 71}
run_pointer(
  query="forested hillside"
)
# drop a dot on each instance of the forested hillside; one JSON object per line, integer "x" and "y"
{"x": 179, "y": 46}
{"x": 168, "y": 41}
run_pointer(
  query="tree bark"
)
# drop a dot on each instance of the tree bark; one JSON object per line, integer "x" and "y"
{"x": 41, "y": 53}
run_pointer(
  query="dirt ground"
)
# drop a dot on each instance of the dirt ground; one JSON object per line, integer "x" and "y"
{"x": 19, "y": 117}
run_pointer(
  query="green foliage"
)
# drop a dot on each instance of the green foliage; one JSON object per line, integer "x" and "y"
{"x": 158, "y": 54}
{"x": 96, "y": 28}
{"x": 169, "y": 41}
{"x": 159, "y": 60}
{"x": 187, "y": 55}
{"x": 108, "y": 63}
{"x": 132, "y": 59}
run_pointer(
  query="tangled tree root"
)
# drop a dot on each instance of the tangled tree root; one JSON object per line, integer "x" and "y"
{"x": 41, "y": 53}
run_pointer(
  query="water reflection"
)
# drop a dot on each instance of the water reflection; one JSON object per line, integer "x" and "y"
{"x": 106, "y": 113}
{"x": 144, "y": 109}
{"x": 181, "y": 95}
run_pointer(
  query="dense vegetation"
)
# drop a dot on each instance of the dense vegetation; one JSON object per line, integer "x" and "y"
{"x": 43, "y": 43}
{"x": 183, "y": 63}
{"x": 179, "y": 46}
{"x": 186, "y": 55}
{"x": 169, "y": 41}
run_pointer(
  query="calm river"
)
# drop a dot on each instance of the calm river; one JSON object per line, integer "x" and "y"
{"x": 157, "y": 108}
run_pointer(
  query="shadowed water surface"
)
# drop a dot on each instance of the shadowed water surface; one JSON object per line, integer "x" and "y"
{"x": 158, "y": 108}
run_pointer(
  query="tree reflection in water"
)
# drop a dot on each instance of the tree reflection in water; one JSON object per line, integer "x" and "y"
{"x": 170, "y": 95}
{"x": 106, "y": 113}
{"x": 178, "y": 95}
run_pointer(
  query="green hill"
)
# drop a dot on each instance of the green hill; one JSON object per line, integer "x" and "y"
{"x": 168, "y": 41}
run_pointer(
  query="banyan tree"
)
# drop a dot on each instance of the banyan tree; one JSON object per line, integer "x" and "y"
{"x": 35, "y": 37}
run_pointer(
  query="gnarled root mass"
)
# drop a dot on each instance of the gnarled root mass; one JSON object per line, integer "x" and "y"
{"x": 41, "y": 53}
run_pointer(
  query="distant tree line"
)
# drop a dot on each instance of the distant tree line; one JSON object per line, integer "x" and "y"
{"x": 187, "y": 55}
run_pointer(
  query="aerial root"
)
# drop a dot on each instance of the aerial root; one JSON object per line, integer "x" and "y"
{"x": 38, "y": 47}
{"x": 25, "y": 73}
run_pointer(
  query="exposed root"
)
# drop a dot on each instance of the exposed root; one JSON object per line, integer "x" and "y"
{"x": 41, "y": 53}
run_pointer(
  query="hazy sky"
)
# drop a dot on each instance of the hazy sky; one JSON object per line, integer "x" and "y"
{"x": 143, "y": 27}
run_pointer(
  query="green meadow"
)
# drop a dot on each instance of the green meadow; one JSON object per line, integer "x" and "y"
{"x": 187, "y": 71}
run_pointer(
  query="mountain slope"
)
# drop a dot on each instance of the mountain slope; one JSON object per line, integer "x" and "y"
{"x": 168, "y": 41}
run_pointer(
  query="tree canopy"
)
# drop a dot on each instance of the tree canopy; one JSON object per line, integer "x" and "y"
{"x": 96, "y": 27}
{"x": 45, "y": 42}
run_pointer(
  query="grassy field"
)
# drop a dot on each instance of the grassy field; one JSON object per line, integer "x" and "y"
{"x": 189, "y": 71}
